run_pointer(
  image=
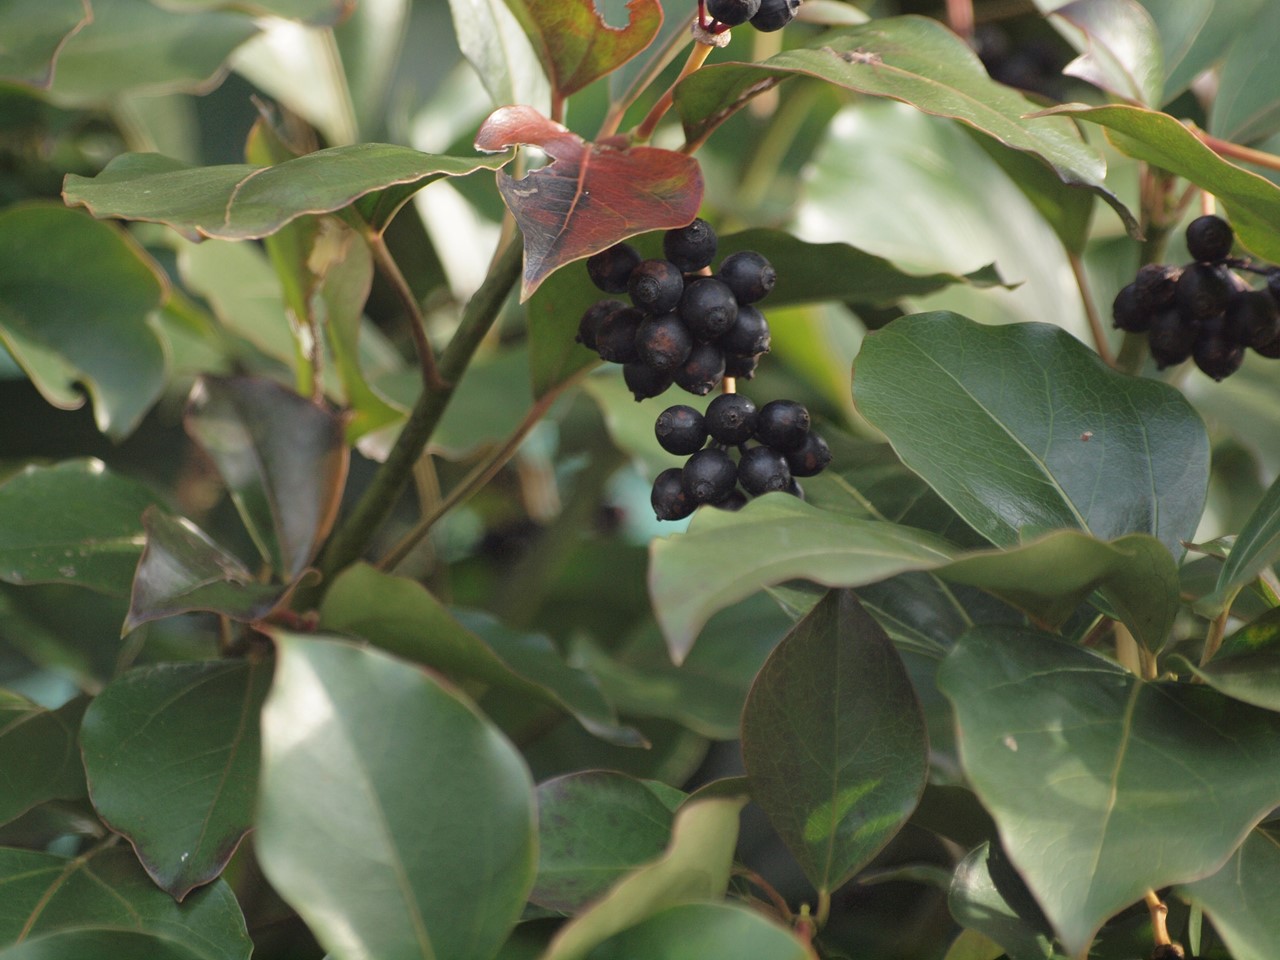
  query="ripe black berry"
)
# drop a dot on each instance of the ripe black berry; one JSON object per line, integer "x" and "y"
{"x": 734, "y": 502}
{"x": 749, "y": 335}
{"x": 609, "y": 269}
{"x": 708, "y": 308}
{"x": 670, "y": 502}
{"x": 775, "y": 14}
{"x": 1127, "y": 311}
{"x": 709, "y": 476}
{"x": 811, "y": 458}
{"x": 703, "y": 371}
{"x": 763, "y": 470}
{"x": 783, "y": 425}
{"x": 731, "y": 419}
{"x": 681, "y": 430}
{"x": 589, "y": 325}
{"x": 1203, "y": 292}
{"x": 1171, "y": 338}
{"x": 616, "y": 335}
{"x": 690, "y": 248}
{"x": 749, "y": 275}
{"x": 1156, "y": 284}
{"x": 643, "y": 381}
{"x": 1209, "y": 238}
{"x": 1217, "y": 356}
{"x": 733, "y": 12}
{"x": 656, "y": 285}
{"x": 744, "y": 368}
{"x": 1253, "y": 317}
{"x": 663, "y": 342}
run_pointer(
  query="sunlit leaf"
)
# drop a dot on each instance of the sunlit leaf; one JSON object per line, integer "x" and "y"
{"x": 1119, "y": 48}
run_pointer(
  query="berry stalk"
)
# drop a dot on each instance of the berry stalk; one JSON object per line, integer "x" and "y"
{"x": 697, "y": 57}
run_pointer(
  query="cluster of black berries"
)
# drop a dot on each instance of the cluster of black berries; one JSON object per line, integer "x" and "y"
{"x": 1204, "y": 310}
{"x": 785, "y": 449}
{"x": 764, "y": 15}
{"x": 681, "y": 327}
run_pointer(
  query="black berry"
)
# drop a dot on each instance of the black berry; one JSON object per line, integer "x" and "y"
{"x": 734, "y": 502}
{"x": 709, "y": 476}
{"x": 609, "y": 269}
{"x": 690, "y": 248}
{"x": 1203, "y": 292}
{"x": 681, "y": 430}
{"x": 744, "y": 368}
{"x": 732, "y": 12}
{"x": 731, "y": 419}
{"x": 708, "y": 308}
{"x": 1156, "y": 284}
{"x": 749, "y": 275}
{"x": 703, "y": 371}
{"x": 663, "y": 342}
{"x": 1209, "y": 238}
{"x": 783, "y": 425}
{"x": 616, "y": 335}
{"x": 656, "y": 285}
{"x": 589, "y": 325}
{"x": 763, "y": 470}
{"x": 749, "y": 335}
{"x": 1128, "y": 312}
{"x": 810, "y": 458}
{"x": 644, "y": 382}
{"x": 1217, "y": 356}
{"x": 1171, "y": 338}
{"x": 775, "y": 14}
{"x": 670, "y": 502}
{"x": 1253, "y": 317}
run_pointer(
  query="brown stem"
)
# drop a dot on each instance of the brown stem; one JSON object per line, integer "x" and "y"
{"x": 697, "y": 57}
{"x": 431, "y": 379}
{"x": 960, "y": 17}
{"x": 1217, "y": 631}
{"x": 1225, "y": 148}
{"x": 1091, "y": 310}
{"x": 651, "y": 72}
{"x": 765, "y": 887}
{"x": 1159, "y": 932}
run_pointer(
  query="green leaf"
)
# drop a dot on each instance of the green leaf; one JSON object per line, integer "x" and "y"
{"x": 35, "y": 32}
{"x": 54, "y": 264}
{"x": 402, "y": 617}
{"x": 182, "y": 570}
{"x": 695, "y": 867}
{"x": 833, "y": 741}
{"x": 1256, "y": 547}
{"x": 1247, "y": 665}
{"x": 39, "y": 754}
{"x": 1243, "y": 898}
{"x": 283, "y": 458}
{"x": 494, "y": 43}
{"x": 704, "y": 931}
{"x": 74, "y": 522}
{"x": 101, "y": 903}
{"x": 1251, "y": 202}
{"x": 1098, "y": 781}
{"x": 183, "y": 52}
{"x": 1119, "y": 48}
{"x": 1196, "y": 33}
{"x": 393, "y": 816}
{"x": 726, "y": 556}
{"x": 318, "y": 12}
{"x": 574, "y": 43}
{"x": 1245, "y": 108}
{"x": 593, "y": 828}
{"x": 911, "y": 59}
{"x": 988, "y": 895}
{"x": 189, "y": 731}
{"x": 1023, "y": 428}
{"x": 241, "y": 202}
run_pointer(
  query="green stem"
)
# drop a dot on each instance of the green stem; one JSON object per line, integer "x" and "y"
{"x": 393, "y": 476}
{"x": 431, "y": 379}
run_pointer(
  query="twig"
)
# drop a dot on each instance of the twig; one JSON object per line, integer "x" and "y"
{"x": 1091, "y": 309}
{"x": 960, "y": 18}
{"x": 1217, "y": 631}
{"x": 1159, "y": 931}
{"x": 1225, "y": 148}
{"x": 431, "y": 379}
{"x": 697, "y": 57}
{"x": 659, "y": 62}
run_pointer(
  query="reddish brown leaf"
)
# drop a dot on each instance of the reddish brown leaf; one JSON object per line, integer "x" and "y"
{"x": 590, "y": 196}
{"x": 576, "y": 46}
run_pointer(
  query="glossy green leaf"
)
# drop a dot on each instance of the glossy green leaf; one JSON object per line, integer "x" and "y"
{"x": 102, "y": 906}
{"x": 1119, "y": 48}
{"x": 1243, "y": 898}
{"x": 190, "y": 732}
{"x": 695, "y": 867}
{"x": 912, "y": 59}
{"x": 39, "y": 754}
{"x": 182, "y": 570}
{"x": 74, "y": 302}
{"x": 496, "y": 46}
{"x": 1256, "y": 547}
{"x": 574, "y": 43}
{"x": 726, "y": 556}
{"x": 35, "y": 32}
{"x": 987, "y": 895}
{"x": 1247, "y": 665}
{"x": 554, "y": 311}
{"x": 1245, "y": 107}
{"x": 283, "y": 458}
{"x": 240, "y": 201}
{"x": 704, "y": 931}
{"x": 73, "y": 522}
{"x": 1195, "y": 35}
{"x": 593, "y": 828}
{"x": 1251, "y": 202}
{"x": 184, "y": 52}
{"x": 833, "y": 741}
{"x": 1098, "y": 781}
{"x": 402, "y": 617}
{"x": 1023, "y": 429}
{"x": 393, "y": 816}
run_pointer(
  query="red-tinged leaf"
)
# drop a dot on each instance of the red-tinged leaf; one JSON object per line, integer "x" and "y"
{"x": 574, "y": 43}
{"x": 590, "y": 196}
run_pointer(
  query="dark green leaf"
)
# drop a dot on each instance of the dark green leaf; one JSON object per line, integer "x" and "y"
{"x": 1247, "y": 665}
{"x": 1243, "y": 898}
{"x": 393, "y": 817}
{"x": 1251, "y": 202}
{"x": 189, "y": 731}
{"x": 554, "y": 311}
{"x": 182, "y": 570}
{"x": 988, "y": 895}
{"x": 833, "y": 741}
{"x": 35, "y": 31}
{"x": 39, "y": 754}
{"x": 240, "y": 201}
{"x": 1098, "y": 781}
{"x": 593, "y": 828}
{"x": 102, "y": 906}
{"x": 74, "y": 302}
{"x": 703, "y": 931}
{"x": 74, "y": 522}
{"x": 1256, "y": 547}
{"x": 283, "y": 458}
{"x": 1119, "y": 48}
{"x": 1021, "y": 429}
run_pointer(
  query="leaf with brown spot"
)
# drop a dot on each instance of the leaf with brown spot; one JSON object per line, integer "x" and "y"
{"x": 591, "y": 195}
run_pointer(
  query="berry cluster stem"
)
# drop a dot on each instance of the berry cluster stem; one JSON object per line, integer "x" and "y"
{"x": 1159, "y": 931}
{"x": 1234, "y": 151}
{"x": 697, "y": 57}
